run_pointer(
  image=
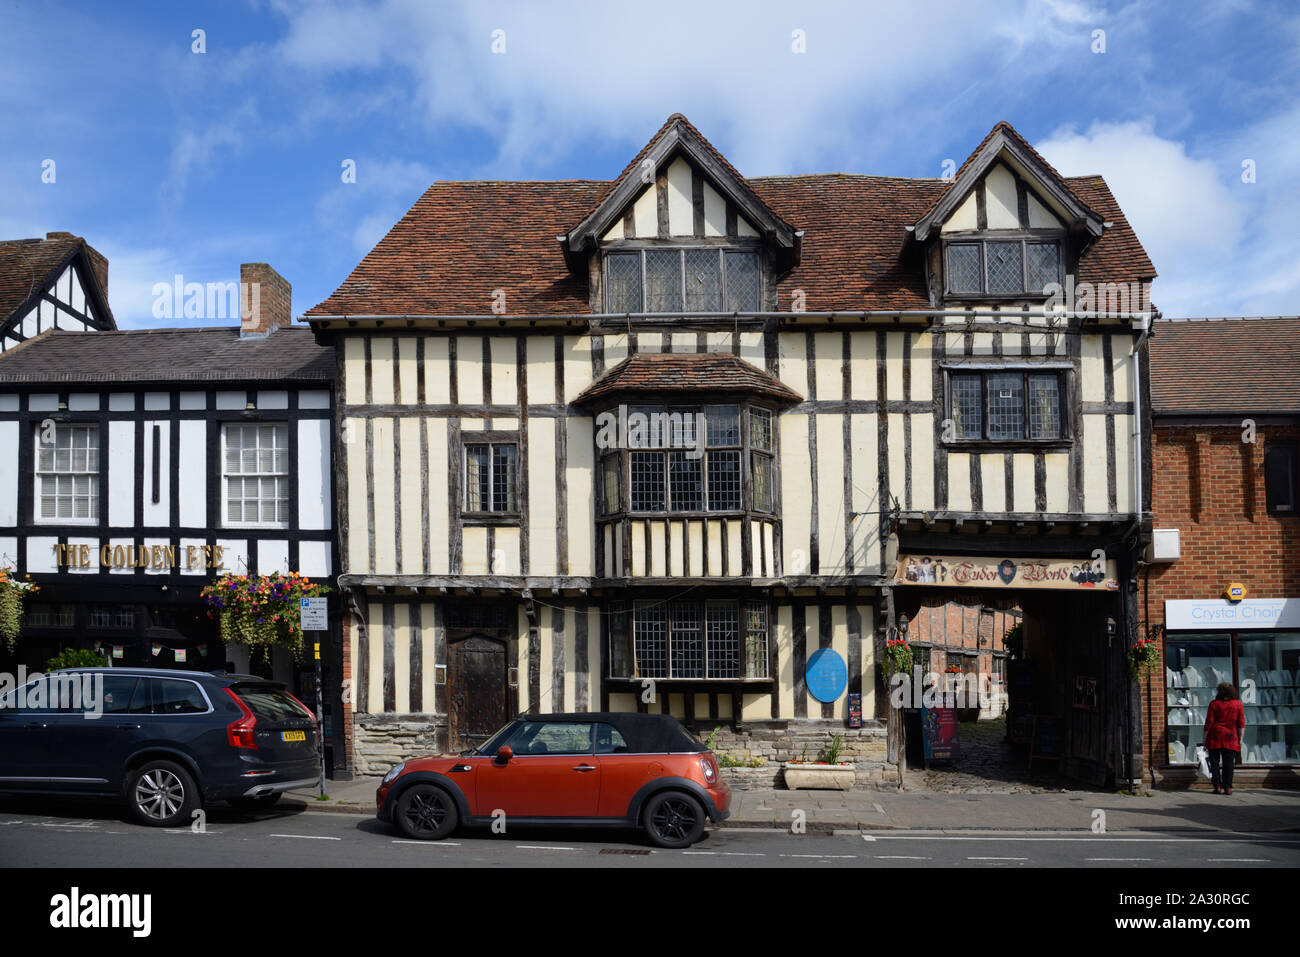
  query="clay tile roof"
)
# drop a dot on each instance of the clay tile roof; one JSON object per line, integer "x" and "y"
{"x": 461, "y": 241}
{"x": 1226, "y": 366}
{"x": 26, "y": 265}
{"x": 288, "y": 354}
{"x": 686, "y": 372}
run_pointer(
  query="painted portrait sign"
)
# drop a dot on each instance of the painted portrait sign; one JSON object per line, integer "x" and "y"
{"x": 966, "y": 571}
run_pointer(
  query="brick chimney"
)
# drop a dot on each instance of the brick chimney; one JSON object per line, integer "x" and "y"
{"x": 265, "y": 299}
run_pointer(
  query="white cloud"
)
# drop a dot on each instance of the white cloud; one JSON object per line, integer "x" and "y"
{"x": 1219, "y": 245}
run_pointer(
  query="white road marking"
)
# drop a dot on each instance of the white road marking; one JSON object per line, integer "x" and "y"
{"x": 880, "y": 809}
{"x": 309, "y": 837}
{"x": 430, "y": 843}
{"x": 867, "y": 837}
{"x": 727, "y": 853}
{"x": 1238, "y": 860}
{"x": 997, "y": 858}
{"x": 89, "y": 825}
{"x": 1106, "y": 840}
{"x": 901, "y": 857}
{"x": 543, "y": 847}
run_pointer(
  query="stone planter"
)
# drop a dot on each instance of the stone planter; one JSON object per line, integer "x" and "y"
{"x": 828, "y": 777}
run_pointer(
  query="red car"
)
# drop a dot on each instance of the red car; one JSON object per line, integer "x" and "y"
{"x": 594, "y": 768}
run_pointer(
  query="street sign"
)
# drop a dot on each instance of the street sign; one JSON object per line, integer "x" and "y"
{"x": 314, "y": 616}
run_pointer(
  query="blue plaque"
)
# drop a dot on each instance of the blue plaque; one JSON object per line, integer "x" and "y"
{"x": 827, "y": 675}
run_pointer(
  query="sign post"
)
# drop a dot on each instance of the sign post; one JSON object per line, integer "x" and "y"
{"x": 315, "y": 617}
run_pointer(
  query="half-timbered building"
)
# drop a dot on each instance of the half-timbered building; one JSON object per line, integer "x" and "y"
{"x": 137, "y": 465}
{"x": 59, "y": 282}
{"x": 683, "y": 441}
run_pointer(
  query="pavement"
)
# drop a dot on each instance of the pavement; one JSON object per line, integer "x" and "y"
{"x": 1245, "y": 810}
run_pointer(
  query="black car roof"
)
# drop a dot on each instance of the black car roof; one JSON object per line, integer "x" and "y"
{"x": 644, "y": 733}
{"x": 169, "y": 673}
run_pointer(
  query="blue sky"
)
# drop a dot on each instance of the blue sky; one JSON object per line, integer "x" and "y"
{"x": 170, "y": 161}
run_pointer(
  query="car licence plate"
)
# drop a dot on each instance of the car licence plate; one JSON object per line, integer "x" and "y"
{"x": 293, "y": 735}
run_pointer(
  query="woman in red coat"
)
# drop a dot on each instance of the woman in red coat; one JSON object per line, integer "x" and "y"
{"x": 1225, "y": 729}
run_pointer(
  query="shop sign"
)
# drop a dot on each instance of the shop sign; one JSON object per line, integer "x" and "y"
{"x": 966, "y": 571}
{"x": 1195, "y": 614}
{"x": 139, "y": 556}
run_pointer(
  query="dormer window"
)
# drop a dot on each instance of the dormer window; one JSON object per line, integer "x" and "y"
{"x": 1021, "y": 267}
{"x": 682, "y": 279}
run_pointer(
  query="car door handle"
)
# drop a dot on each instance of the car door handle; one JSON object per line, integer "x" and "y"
{"x": 584, "y": 767}
{"x": 36, "y": 724}
{"x": 128, "y": 727}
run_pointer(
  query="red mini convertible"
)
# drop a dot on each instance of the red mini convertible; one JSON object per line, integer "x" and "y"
{"x": 594, "y": 768}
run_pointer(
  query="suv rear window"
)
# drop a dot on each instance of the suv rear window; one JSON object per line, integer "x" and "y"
{"x": 271, "y": 704}
{"x": 173, "y": 696}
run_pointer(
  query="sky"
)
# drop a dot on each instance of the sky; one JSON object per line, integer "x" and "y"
{"x": 176, "y": 152}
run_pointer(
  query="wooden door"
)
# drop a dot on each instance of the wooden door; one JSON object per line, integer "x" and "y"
{"x": 476, "y": 677}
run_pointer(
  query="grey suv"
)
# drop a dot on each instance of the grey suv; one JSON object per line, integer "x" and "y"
{"x": 164, "y": 741}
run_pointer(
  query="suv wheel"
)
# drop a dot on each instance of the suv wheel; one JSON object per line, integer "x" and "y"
{"x": 426, "y": 813}
{"x": 161, "y": 794}
{"x": 673, "y": 819}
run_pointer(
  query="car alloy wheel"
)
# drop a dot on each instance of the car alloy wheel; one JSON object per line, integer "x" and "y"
{"x": 674, "y": 819}
{"x": 426, "y": 813}
{"x": 162, "y": 794}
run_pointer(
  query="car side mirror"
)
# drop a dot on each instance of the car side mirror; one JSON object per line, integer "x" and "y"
{"x": 504, "y": 753}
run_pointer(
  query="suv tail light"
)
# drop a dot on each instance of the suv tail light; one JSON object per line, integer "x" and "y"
{"x": 240, "y": 733}
{"x": 708, "y": 767}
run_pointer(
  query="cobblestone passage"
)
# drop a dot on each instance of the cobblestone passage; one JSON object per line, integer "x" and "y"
{"x": 986, "y": 764}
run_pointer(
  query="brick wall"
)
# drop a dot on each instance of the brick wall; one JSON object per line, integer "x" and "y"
{"x": 266, "y": 299}
{"x": 1209, "y": 484}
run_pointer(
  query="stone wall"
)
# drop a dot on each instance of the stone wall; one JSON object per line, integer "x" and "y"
{"x": 381, "y": 740}
{"x": 775, "y": 742}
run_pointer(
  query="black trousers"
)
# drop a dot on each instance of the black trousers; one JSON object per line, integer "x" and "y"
{"x": 1221, "y": 762}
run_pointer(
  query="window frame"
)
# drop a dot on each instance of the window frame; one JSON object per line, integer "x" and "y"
{"x": 1064, "y": 385}
{"x": 491, "y": 439}
{"x": 93, "y": 519}
{"x": 224, "y": 493}
{"x": 1291, "y": 449}
{"x": 745, "y": 451}
{"x": 722, "y": 249}
{"x": 751, "y": 661}
{"x": 983, "y": 239}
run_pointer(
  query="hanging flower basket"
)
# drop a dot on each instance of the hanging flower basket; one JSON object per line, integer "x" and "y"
{"x": 261, "y": 611}
{"x": 898, "y": 657}
{"x": 13, "y": 592}
{"x": 1143, "y": 657}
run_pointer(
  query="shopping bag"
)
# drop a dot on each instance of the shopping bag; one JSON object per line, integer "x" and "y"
{"x": 1203, "y": 762}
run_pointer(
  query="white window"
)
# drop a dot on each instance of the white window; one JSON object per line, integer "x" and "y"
{"x": 67, "y": 474}
{"x": 256, "y": 474}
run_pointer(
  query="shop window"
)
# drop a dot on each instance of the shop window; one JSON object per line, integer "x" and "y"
{"x": 1281, "y": 478}
{"x": 67, "y": 474}
{"x": 99, "y": 617}
{"x": 44, "y": 615}
{"x": 709, "y": 640}
{"x": 1265, "y": 669}
{"x": 1007, "y": 405}
{"x": 255, "y": 474}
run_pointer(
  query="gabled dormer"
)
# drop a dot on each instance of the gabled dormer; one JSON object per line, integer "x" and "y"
{"x": 59, "y": 282}
{"x": 681, "y": 231}
{"x": 1006, "y": 229}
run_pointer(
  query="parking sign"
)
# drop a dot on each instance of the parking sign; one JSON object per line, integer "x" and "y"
{"x": 314, "y": 616}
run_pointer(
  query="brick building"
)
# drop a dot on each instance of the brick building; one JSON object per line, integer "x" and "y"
{"x": 1226, "y": 398}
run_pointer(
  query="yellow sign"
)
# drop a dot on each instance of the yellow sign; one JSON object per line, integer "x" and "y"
{"x": 966, "y": 571}
{"x": 1235, "y": 591}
